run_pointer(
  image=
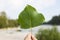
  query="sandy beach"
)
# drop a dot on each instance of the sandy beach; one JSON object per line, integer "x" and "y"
{"x": 11, "y": 34}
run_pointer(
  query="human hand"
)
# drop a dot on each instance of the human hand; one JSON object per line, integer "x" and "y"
{"x": 30, "y": 37}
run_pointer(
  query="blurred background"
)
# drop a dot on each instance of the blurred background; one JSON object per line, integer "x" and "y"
{"x": 9, "y": 26}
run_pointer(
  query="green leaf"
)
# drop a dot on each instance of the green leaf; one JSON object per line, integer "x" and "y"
{"x": 29, "y": 17}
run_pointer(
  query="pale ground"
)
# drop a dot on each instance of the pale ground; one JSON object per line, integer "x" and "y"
{"x": 11, "y": 34}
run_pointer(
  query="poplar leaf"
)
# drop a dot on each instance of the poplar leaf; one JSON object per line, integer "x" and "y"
{"x": 29, "y": 17}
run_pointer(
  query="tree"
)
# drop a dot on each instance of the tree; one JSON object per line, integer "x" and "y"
{"x": 2, "y": 22}
{"x": 54, "y": 21}
{"x": 3, "y": 14}
{"x": 5, "y": 22}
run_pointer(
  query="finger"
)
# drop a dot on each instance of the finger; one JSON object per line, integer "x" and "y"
{"x": 33, "y": 37}
{"x": 28, "y": 37}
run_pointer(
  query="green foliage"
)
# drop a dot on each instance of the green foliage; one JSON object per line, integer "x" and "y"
{"x": 54, "y": 21}
{"x": 29, "y": 17}
{"x": 5, "y": 22}
{"x": 12, "y": 23}
{"x": 2, "y": 22}
{"x": 48, "y": 34}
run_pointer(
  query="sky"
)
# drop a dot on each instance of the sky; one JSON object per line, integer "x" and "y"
{"x": 48, "y": 8}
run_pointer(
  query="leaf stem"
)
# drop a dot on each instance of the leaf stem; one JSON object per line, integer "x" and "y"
{"x": 31, "y": 30}
{"x": 31, "y": 24}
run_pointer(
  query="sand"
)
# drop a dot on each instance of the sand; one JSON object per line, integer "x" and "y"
{"x": 11, "y": 34}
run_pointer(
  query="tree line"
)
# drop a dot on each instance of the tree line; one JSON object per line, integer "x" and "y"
{"x": 54, "y": 21}
{"x": 5, "y": 22}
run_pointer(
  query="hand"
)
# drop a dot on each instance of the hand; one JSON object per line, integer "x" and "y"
{"x": 30, "y": 37}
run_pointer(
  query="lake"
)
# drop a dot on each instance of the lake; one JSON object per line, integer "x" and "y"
{"x": 35, "y": 30}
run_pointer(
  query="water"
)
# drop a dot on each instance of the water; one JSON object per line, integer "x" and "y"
{"x": 35, "y": 30}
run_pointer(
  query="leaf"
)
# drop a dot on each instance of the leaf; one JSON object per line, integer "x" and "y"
{"x": 29, "y": 17}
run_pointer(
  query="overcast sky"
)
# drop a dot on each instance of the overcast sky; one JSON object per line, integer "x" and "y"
{"x": 49, "y": 8}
